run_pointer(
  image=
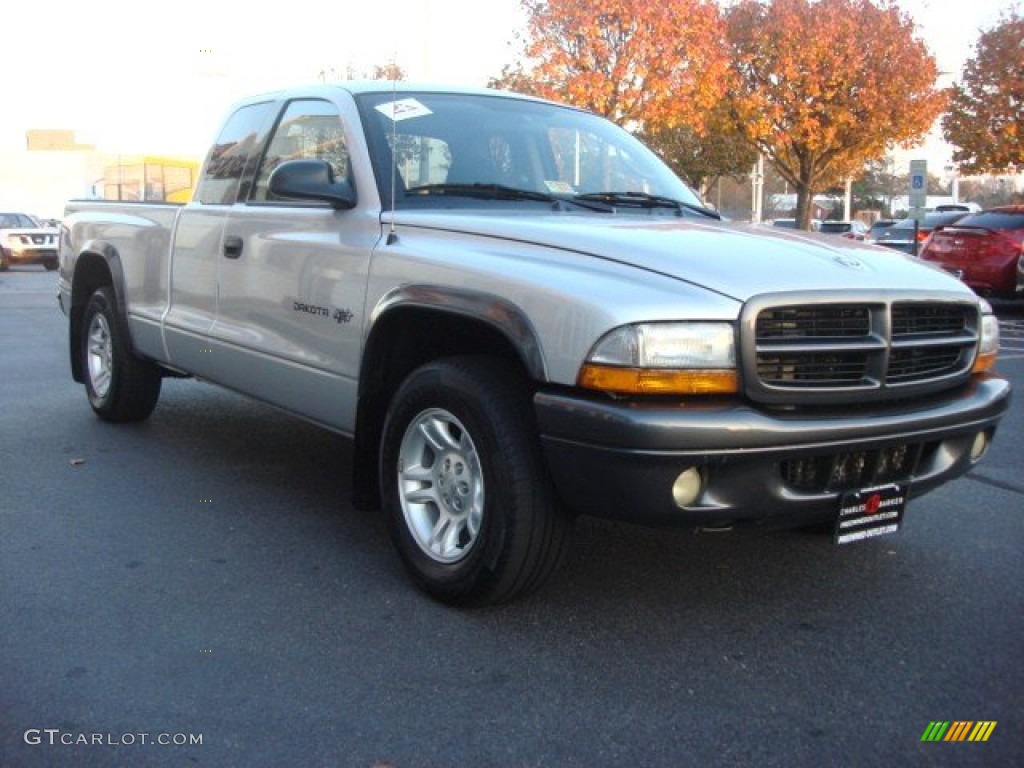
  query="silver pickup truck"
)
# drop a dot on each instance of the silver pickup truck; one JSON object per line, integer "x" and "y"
{"x": 519, "y": 314}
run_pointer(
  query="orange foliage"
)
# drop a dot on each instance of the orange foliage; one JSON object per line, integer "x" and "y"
{"x": 824, "y": 87}
{"x": 657, "y": 63}
{"x": 986, "y": 111}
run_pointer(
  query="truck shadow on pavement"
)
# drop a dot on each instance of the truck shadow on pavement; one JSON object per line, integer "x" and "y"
{"x": 271, "y": 470}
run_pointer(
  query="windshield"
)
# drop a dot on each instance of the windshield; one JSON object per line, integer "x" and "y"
{"x": 16, "y": 221}
{"x": 460, "y": 150}
{"x": 994, "y": 220}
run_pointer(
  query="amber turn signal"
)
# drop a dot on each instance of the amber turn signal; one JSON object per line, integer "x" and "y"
{"x": 655, "y": 381}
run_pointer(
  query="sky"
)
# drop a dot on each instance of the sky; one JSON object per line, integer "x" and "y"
{"x": 131, "y": 76}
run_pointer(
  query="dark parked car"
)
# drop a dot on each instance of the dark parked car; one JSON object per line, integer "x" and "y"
{"x": 985, "y": 250}
{"x": 900, "y": 236}
{"x": 877, "y": 227}
{"x": 855, "y": 230}
{"x": 791, "y": 224}
{"x": 965, "y": 207}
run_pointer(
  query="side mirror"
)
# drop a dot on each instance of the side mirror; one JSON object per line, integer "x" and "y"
{"x": 311, "y": 180}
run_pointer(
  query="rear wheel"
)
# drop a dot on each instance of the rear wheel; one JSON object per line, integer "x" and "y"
{"x": 120, "y": 386}
{"x": 468, "y": 502}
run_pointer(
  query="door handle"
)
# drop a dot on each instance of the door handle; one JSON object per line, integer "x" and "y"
{"x": 232, "y": 247}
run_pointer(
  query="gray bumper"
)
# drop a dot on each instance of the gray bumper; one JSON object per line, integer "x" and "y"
{"x": 620, "y": 459}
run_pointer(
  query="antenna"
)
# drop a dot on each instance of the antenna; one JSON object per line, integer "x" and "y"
{"x": 392, "y": 237}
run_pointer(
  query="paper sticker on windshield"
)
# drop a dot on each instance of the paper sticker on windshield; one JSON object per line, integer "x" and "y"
{"x": 559, "y": 187}
{"x": 403, "y": 109}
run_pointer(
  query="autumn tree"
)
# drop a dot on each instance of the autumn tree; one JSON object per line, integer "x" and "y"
{"x": 824, "y": 86}
{"x": 514, "y": 77}
{"x": 990, "y": 191}
{"x": 389, "y": 71}
{"x": 877, "y": 185}
{"x": 985, "y": 118}
{"x": 702, "y": 158}
{"x": 639, "y": 63}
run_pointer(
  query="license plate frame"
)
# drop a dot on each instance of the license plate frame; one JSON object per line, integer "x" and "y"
{"x": 870, "y": 512}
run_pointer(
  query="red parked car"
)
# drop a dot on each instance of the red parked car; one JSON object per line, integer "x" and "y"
{"x": 985, "y": 250}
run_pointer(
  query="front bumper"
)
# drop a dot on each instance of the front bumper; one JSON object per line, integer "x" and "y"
{"x": 620, "y": 459}
{"x": 22, "y": 255}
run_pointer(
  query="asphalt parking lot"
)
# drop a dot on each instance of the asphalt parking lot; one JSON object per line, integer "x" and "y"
{"x": 196, "y": 590}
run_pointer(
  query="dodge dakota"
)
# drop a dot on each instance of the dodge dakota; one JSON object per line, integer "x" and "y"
{"x": 519, "y": 314}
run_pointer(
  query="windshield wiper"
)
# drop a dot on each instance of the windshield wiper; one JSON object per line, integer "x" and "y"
{"x": 485, "y": 191}
{"x": 645, "y": 200}
{"x": 502, "y": 192}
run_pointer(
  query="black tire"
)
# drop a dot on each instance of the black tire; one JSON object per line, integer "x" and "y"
{"x": 51, "y": 266}
{"x": 120, "y": 386}
{"x": 460, "y": 455}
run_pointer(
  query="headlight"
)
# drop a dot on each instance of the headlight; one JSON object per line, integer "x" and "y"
{"x": 664, "y": 358}
{"x": 988, "y": 345}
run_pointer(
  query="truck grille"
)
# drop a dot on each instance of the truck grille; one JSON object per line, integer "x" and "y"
{"x": 831, "y": 351}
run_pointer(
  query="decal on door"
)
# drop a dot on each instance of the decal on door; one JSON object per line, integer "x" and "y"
{"x": 340, "y": 316}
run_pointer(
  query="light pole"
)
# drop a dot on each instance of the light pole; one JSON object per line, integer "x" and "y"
{"x": 757, "y": 190}
{"x": 954, "y": 182}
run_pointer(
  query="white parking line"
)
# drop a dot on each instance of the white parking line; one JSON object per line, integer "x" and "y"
{"x": 1011, "y": 339}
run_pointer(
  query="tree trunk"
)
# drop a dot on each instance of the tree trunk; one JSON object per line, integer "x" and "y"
{"x": 804, "y": 206}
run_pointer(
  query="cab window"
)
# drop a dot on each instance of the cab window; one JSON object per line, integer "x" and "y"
{"x": 309, "y": 129}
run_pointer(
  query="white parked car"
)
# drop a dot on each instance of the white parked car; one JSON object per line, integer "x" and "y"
{"x": 24, "y": 241}
{"x": 854, "y": 230}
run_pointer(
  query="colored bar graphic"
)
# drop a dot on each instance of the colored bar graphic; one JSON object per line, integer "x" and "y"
{"x": 958, "y": 730}
{"x": 982, "y": 730}
{"x": 935, "y": 730}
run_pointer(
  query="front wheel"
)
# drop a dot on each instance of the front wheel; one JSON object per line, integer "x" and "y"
{"x": 120, "y": 386}
{"x": 467, "y": 499}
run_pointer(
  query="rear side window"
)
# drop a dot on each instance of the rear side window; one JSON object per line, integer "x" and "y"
{"x": 233, "y": 156}
{"x": 994, "y": 220}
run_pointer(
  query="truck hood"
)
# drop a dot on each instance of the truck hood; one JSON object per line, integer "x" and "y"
{"x": 735, "y": 260}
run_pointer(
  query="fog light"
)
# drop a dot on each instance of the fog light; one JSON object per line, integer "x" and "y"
{"x": 979, "y": 446}
{"x": 687, "y": 487}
